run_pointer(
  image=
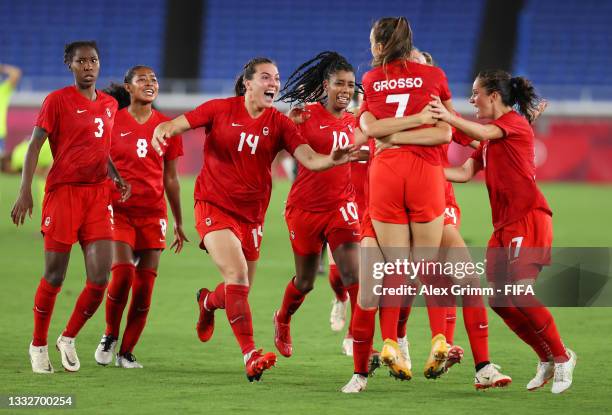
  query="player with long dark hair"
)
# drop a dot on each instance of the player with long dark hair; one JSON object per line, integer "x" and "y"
{"x": 243, "y": 135}
{"x": 140, "y": 223}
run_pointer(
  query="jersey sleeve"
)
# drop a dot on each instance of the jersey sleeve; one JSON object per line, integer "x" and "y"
{"x": 175, "y": 148}
{"x": 508, "y": 124}
{"x": 290, "y": 135}
{"x": 48, "y": 115}
{"x": 477, "y": 156}
{"x": 462, "y": 138}
{"x": 203, "y": 115}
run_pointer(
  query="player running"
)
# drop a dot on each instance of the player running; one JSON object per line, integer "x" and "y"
{"x": 522, "y": 220}
{"x": 321, "y": 205}
{"x": 243, "y": 135}
{"x": 140, "y": 223}
{"x": 78, "y": 121}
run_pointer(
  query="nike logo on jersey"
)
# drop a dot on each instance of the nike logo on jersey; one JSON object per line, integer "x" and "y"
{"x": 124, "y": 134}
{"x": 232, "y": 321}
{"x": 81, "y": 111}
{"x": 483, "y": 326}
{"x": 236, "y": 125}
{"x": 323, "y": 126}
{"x": 356, "y": 234}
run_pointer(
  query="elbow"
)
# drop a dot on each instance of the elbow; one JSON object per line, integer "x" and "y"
{"x": 447, "y": 136}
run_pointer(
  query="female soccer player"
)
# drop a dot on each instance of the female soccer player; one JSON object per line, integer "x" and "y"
{"x": 407, "y": 183}
{"x": 139, "y": 224}
{"x": 78, "y": 120}
{"x": 243, "y": 135}
{"x": 522, "y": 220}
{"x": 321, "y": 205}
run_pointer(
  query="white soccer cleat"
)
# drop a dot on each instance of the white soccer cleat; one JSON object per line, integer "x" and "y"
{"x": 39, "y": 356}
{"x": 106, "y": 350}
{"x": 67, "y": 349}
{"x": 544, "y": 373}
{"x": 357, "y": 384}
{"x": 562, "y": 379}
{"x": 127, "y": 361}
{"x": 337, "y": 318}
{"x": 347, "y": 346}
{"x": 490, "y": 377}
{"x": 404, "y": 346}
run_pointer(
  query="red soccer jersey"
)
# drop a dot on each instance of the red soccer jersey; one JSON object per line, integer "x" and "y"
{"x": 140, "y": 165}
{"x": 403, "y": 88}
{"x": 359, "y": 178}
{"x": 79, "y": 136}
{"x": 326, "y": 190}
{"x": 509, "y": 168}
{"x": 238, "y": 154}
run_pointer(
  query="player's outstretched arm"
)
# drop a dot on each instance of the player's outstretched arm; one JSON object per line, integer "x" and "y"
{"x": 463, "y": 173}
{"x": 373, "y": 127}
{"x": 173, "y": 194}
{"x": 319, "y": 162}
{"x": 23, "y": 205}
{"x": 480, "y": 132}
{"x": 168, "y": 129}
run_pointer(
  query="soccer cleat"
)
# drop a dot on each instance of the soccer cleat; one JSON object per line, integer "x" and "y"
{"x": 544, "y": 373}
{"x": 127, "y": 361}
{"x": 206, "y": 321}
{"x": 39, "y": 357}
{"x": 455, "y": 354}
{"x": 106, "y": 350}
{"x": 347, "y": 346}
{"x": 490, "y": 377}
{"x": 434, "y": 367}
{"x": 337, "y": 318}
{"x": 357, "y": 384}
{"x": 66, "y": 347}
{"x": 391, "y": 356}
{"x": 257, "y": 362}
{"x": 404, "y": 346}
{"x": 374, "y": 362}
{"x": 562, "y": 379}
{"x": 282, "y": 336}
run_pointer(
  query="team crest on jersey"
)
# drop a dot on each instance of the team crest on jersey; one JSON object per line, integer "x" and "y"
{"x": 266, "y": 131}
{"x": 208, "y": 221}
{"x": 47, "y": 220}
{"x": 108, "y": 112}
{"x": 292, "y": 234}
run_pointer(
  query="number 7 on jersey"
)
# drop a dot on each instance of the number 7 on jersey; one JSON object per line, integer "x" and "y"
{"x": 402, "y": 102}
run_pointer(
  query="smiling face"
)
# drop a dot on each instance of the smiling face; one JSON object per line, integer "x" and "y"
{"x": 482, "y": 101}
{"x": 340, "y": 88}
{"x": 85, "y": 66}
{"x": 263, "y": 86}
{"x": 143, "y": 86}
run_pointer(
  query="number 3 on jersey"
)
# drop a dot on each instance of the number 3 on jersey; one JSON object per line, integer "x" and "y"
{"x": 98, "y": 121}
{"x": 402, "y": 102}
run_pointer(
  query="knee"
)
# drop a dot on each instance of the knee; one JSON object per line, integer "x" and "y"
{"x": 305, "y": 285}
{"x": 235, "y": 275}
{"x": 349, "y": 276}
{"x": 98, "y": 278}
{"x": 55, "y": 277}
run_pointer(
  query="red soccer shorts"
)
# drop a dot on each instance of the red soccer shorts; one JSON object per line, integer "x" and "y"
{"x": 140, "y": 232}
{"x": 76, "y": 213}
{"x": 405, "y": 188}
{"x": 367, "y": 229}
{"x": 309, "y": 230}
{"x": 452, "y": 215}
{"x": 520, "y": 250}
{"x": 209, "y": 218}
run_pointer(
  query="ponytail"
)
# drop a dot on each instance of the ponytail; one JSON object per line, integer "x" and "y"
{"x": 395, "y": 34}
{"x": 515, "y": 92}
{"x": 248, "y": 71}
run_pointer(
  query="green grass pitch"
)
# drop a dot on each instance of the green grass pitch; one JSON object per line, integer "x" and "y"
{"x": 182, "y": 375}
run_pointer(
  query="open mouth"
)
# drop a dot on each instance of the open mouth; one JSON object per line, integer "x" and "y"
{"x": 269, "y": 94}
{"x": 149, "y": 92}
{"x": 343, "y": 100}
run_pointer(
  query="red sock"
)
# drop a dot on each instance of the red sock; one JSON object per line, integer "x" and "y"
{"x": 353, "y": 291}
{"x": 292, "y": 300}
{"x": 544, "y": 325}
{"x": 477, "y": 327}
{"x": 437, "y": 318}
{"x": 363, "y": 336}
{"x": 88, "y": 302}
{"x": 389, "y": 317}
{"x": 436, "y": 305}
{"x": 336, "y": 283}
{"x": 402, "y": 322}
{"x": 117, "y": 296}
{"x": 519, "y": 324}
{"x": 142, "y": 290}
{"x": 44, "y": 301}
{"x": 238, "y": 314}
{"x": 451, "y": 322}
{"x": 216, "y": 298}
